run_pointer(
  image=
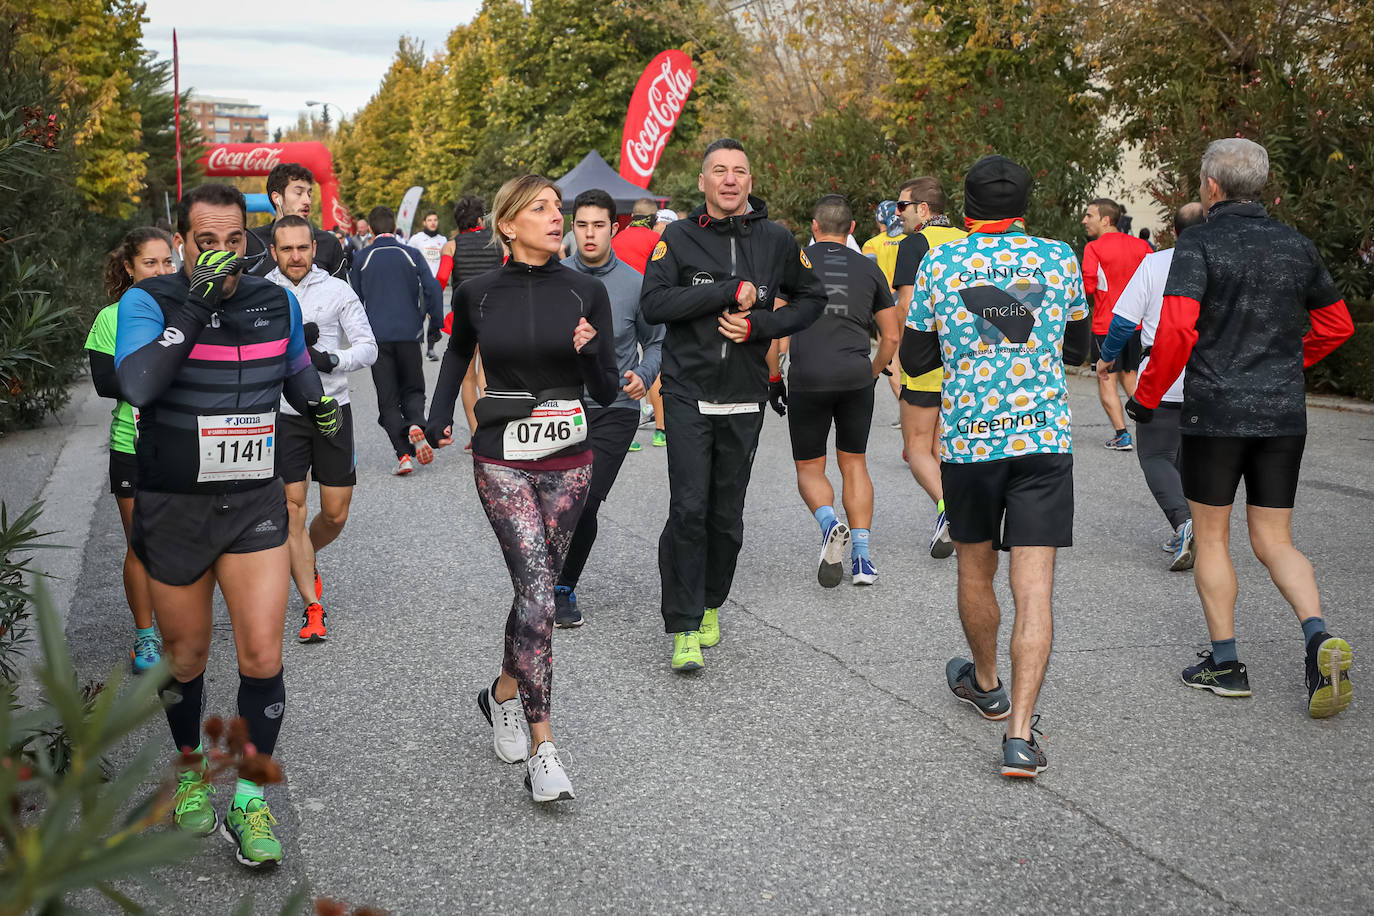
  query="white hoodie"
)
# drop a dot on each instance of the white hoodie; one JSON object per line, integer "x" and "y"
{"x": 334, "y": 307}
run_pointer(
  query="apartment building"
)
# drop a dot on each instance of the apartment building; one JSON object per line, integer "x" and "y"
{"x": 227, "y": 120}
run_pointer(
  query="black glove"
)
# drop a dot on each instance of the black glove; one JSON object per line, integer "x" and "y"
{"x": 1139, "y": 412}
{"x": 326, "y": 416}
{"x": 312, "y": 333}
{"x": 323, "y": 360}
{"x": 777, "y": 395}
{"x": 213, "y": 270}
{"x": 435, "y": 335}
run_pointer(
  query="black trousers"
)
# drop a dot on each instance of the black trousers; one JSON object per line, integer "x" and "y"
{"x": 399, "y": 376}
{"x": 609, "y": 431}
{"x": 709, "y": 462}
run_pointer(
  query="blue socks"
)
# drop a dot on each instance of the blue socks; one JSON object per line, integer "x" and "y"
{"x": 826, "y": 516}
{"x": 1224, "y": 650}
{"x": 144, "y": 632}
{"x": 1311, "y": 627}
{"x": 859, "y": 544}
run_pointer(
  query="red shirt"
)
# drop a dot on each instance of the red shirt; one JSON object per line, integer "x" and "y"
{"x": 1109, "y": 261}
{"x": 633, "y": 245}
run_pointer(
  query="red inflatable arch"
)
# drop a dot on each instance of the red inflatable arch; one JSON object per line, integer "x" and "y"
{"x": 239, "y": 160}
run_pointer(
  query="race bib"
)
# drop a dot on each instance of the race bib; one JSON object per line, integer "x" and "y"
{"x": 708, "y": 409}
{"x": 236, "y": 446}
{"x": 138, "y": 414}
{"x": 554, "y": 425}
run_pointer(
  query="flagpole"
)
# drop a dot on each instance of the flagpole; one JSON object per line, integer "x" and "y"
{"x": 176, "y": 100}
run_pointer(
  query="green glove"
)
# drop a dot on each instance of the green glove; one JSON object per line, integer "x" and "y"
{"x": 326, "y": 416}
{"x": 212, "y": 272}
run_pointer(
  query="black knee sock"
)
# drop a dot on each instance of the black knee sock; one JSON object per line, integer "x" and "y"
{"x": 184, "y": 701}
{"x": 262, "y": 702}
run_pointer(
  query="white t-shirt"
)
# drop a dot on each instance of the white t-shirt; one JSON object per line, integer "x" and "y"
{"x": 431, "y": 246}
{"x": 1140, "y": 303}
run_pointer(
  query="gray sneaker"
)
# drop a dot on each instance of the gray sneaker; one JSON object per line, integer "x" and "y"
{"x": 1022, "y": 759}
{"x": 993, "y": 704}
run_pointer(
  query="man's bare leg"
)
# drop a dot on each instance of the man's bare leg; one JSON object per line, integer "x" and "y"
{"x": 1032, "y": 635}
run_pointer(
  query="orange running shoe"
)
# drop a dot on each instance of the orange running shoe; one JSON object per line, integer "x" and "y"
{"x": 403, "y": 467}
{"x": 314, "y": 623}
{"x": 423, "y": 452}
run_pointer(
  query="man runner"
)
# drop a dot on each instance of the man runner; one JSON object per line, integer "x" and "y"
{"x": 712, "y": 280}
{"x": 611, "y": 427}
{"x": 205, "y": 354}
{"x": 430, "y": 242}
{"x": 1002, "y": 311}
{"x": 1240, "y": 291}
{"x": 1109, "y": 262}
{"x": 830, "y": 382}
{"x": 331, "y": 312}
{"x": 288, "y": 188}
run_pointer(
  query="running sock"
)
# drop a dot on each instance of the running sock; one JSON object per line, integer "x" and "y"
{"x": 1224, "y": 650}
{"x": 144, "y": 632}
{"x": 1121, "y": 431}
{"x": 939, "y": 505}
{"x": 859, "y": 542}
{"x": 245, "y": 790}
{"x": 1311, "y": 627}
{"x": 183, "y": 702}
{"x": 826, "y": 516}
{"x": 262, "y": 702}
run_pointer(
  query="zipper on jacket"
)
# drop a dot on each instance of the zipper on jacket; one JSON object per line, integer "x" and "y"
{"x": 734, "y": 272}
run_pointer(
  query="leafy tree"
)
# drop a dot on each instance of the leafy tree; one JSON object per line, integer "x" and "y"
{"x": 372, "y": 155}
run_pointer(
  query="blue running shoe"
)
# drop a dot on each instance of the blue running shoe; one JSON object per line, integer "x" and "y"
{"x": 834, "y": 546}
{"x": 1184, "y": 554}
{"x": 941, "y": 545}
{"x": 862, "y": 571}
{"x": 146, "y": 653}
{"x": 565, "y": 612}
{"x": 1121, "y": 443}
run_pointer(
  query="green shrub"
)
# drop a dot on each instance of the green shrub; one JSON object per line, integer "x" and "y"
{"x": 1350, "y": 370}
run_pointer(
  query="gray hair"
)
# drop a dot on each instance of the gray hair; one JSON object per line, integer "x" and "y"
{"x": 1239, "y": 167}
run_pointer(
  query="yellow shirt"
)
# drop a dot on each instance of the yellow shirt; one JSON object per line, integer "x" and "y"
{"x": 883, "y": 249}
{"x": 931, "y": 381}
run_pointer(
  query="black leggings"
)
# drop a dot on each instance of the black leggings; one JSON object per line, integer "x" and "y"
{"x": 610, "y": 431}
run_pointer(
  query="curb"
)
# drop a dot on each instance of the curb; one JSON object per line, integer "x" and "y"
{"x": 1324, "y": 401}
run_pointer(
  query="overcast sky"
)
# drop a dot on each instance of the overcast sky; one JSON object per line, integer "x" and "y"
{"x": 278, "y": 54}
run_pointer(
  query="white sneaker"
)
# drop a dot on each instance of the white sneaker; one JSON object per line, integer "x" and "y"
{"x": 834, "y": 550}
{"x": 545, "y": 776}
{"x": 510, "y": 731}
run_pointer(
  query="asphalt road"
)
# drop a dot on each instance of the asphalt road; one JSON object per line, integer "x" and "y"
{"x": 819, "y": 763}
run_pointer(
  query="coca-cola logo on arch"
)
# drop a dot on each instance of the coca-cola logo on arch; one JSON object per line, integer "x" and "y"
{"x": 655, "y": 107}
{"x": 259, "y": 160}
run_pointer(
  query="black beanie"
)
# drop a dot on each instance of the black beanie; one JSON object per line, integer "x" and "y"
{"x": 996, "y": 188}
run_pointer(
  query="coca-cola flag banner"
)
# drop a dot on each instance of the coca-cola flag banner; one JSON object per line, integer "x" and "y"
{"x": 655, "y": 107}
{"x": 247, "y": 159}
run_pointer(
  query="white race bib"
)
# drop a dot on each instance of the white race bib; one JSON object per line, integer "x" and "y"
{"x": 236, "y": 446}
{"x": 553, "y": 425}
{"x": 708, "y": 409}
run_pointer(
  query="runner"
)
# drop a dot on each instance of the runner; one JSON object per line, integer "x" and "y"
{"x": 398, "y": 291}
{"x": 830, "y": 382}
{"x": 331, "y": 311}
{"x": 1109, "y": 262}
{"x": 1002, "y": 311}
{"x": 1240, "y": 291}
{"x": 712, "y": 280}
{"x": 1139, "y": 307}
{"x": 545, "y": 331}
{"x": 288, "y": 188}
{"x": 636, "y": 242}
{"x": 143, "y": 253}
{"x": 922, "y": 205}
{"x": 611, "y": 426}
{"x": 882, "y": 248}
{"x": 469, "y": 253}
{"x": 205, "y": 358}
{"x": 430, "y": 242}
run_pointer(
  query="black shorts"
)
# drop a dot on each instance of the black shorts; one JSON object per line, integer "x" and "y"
{"x": 610, "y": 430}
{"x": 301, "y": 450}
{"x": 1128, "y": 360}
{"x": 810, "y": 414}
{"x": 123, "y": 474}
{"x": 179, "y": 536}
{"x": 1012, "y": 502}
{"x": 918, "y": 398}
{"x": 1212, "y": 466}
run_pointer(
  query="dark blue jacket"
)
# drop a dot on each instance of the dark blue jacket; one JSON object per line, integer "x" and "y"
{"x": 397, "y": 289}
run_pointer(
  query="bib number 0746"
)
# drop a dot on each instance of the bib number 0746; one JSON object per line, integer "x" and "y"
{"x": 541, "y": 433}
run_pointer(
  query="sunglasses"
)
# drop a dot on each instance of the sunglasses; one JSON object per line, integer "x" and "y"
{"x": 903, "y": 204}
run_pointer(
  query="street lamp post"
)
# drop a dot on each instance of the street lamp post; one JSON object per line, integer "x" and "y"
{"x": 325, "y": 106}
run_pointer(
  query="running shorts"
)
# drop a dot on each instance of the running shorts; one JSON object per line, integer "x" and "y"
{"x": 1212, "y": 466}
{"x": 1128, "y": 360}
{"x": 179, "y": 536}
{"x": 123, "y": 474}
{"x": 301, "y": 450}
{"x": 1013, "y": 502}
{"x": 811, "y": 413}
{"x": 919, "y": 398}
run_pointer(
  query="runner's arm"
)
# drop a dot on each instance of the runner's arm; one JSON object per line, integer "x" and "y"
{"x": 662, "y": 300}
{"x": 651, "y": 349}
{"x": 920, "y": 347}
{"x": 103, "y": 375}
{"x": 462, "y": 343}
{"x": 1177, "y": 332}
{"x": 446, "y": 264}
{"x": 151, "y": 347}
{"x": 600, "y": 372}
{"x": 1331, "y": 323}
{"x": 302, "y": 387}
{"x": 362, "y": 344}
{"x": 434, "y": 295}
{"x": 1127, "y": 314}
{"x": 889, "y": 338}
{"x": 805, "y": 295}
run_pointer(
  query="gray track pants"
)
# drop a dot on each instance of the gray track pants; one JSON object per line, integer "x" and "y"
{"x": 1157, "y": 445}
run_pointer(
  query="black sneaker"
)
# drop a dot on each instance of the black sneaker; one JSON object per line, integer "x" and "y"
{"x": 1022, "y": 758}
{"x": 565, "y": 612}
{"x": 1328, "y": 683}
{"x": 1225, "y": 679}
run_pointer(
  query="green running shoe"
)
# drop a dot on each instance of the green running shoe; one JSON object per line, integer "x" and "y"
{"x": 193, "y": 811}
{"x": 709, "y": 634}
{"x": 635, "y": 446}
{"x": 250, "y": 830}
{"x": 660, "y": 438}
{"x": 687, "y": 652}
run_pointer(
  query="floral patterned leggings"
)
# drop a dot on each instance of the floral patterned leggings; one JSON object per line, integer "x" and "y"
{"x": 533, "y": 514}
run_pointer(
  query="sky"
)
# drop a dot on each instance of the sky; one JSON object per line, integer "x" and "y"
{"x": 279, "y": 54}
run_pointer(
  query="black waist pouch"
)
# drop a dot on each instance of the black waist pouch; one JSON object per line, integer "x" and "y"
{"x": 496, "y": 408}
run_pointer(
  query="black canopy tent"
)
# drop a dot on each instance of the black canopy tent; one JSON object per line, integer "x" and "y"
{"x": 595, "y": 172}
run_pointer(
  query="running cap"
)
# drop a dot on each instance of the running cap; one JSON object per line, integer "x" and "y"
{"x": 665, "y": 216}
{"x": 889, "y": 217}
{"x": 996, "y": 188}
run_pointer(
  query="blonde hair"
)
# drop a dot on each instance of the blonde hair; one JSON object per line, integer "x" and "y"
{"x": 514, "y": 196}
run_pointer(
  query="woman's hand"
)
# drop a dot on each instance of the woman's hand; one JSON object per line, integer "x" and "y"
{"x": 582, "y": 334}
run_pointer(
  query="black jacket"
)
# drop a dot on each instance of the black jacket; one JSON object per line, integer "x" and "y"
{"x": 693, "y": 276}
